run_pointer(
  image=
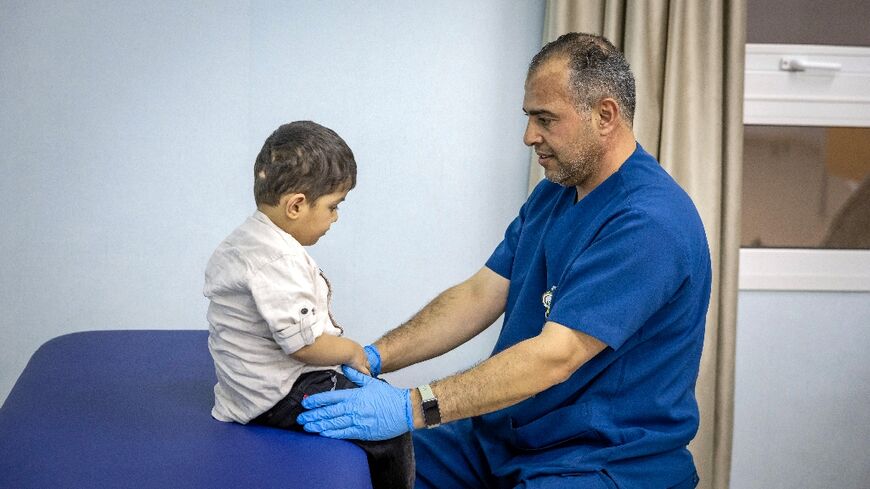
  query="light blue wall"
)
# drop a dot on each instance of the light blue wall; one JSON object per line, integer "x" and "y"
{"x": 801, "y": 416}
{"x": 129, "y": 130}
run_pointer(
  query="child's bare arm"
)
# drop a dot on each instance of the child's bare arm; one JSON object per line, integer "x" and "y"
{"x": 333, "y": 350}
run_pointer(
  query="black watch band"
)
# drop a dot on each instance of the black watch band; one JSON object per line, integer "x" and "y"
{"x": 431, "y": 412}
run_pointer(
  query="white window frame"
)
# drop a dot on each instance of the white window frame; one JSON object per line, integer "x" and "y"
{"x": 803, "y": 85}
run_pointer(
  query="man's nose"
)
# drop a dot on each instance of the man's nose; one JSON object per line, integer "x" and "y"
{"x": 531, "y": 137}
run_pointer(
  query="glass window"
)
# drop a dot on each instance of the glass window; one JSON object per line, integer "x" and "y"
{"x": 806, "y": 160}
{"x": 806, "y": 187}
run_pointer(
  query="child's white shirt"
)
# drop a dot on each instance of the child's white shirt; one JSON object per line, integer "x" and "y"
{"x": 268, "y": 299}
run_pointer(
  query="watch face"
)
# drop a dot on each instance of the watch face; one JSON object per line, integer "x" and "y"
{"x": 431, "y": 414}
{"x": 432, "y": 419}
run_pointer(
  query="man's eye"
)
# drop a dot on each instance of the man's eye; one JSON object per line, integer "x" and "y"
{"x": 544, "y": 122}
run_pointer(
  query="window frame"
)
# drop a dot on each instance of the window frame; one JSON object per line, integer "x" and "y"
{"x": 822, "y": 96}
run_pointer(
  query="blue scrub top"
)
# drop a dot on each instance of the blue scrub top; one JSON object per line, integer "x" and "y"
{"x": 629, "y": 265}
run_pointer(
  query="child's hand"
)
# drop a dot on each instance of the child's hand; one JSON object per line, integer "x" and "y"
{"x": 360, "y": 361}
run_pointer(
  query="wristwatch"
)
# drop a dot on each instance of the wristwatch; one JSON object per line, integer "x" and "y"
{"x": 431, "y": 412}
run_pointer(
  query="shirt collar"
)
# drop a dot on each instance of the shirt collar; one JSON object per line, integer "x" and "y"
{"x": 260, "y": 216}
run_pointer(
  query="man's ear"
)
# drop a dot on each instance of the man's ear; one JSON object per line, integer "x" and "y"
{"x": 608, "y": 115}
{"x": 292, "y": 204}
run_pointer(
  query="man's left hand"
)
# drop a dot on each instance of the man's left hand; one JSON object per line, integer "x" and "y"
{"x": 375, "y": 411}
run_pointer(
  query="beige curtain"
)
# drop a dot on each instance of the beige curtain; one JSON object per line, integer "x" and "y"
{"x": 687, "y": 57}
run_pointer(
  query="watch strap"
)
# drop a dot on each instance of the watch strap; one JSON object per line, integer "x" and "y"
{"x": 431, "y": 411}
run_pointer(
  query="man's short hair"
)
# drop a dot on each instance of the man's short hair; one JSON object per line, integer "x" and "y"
{"x": 302, "y": 157}
{"x": 598, "y": 70}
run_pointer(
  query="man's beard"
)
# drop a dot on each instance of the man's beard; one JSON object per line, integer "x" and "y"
{"x": 586, "y": 162}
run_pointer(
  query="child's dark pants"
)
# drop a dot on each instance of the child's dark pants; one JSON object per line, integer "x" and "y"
{"x": 391, "y": 462}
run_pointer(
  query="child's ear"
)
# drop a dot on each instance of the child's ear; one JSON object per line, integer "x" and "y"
{"x": 292, "y": 205}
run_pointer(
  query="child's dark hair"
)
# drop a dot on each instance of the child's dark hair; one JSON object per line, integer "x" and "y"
{"x": 302, "y": 157}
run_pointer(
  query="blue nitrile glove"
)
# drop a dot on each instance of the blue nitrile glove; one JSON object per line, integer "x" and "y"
{"x": 375, "y": 411}
{"x": 374, "y": 357}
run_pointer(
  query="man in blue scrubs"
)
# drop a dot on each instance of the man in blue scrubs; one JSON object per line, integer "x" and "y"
{"x": 604, "y": 282}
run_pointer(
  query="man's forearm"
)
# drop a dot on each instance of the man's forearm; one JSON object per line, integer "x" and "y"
{"x": 515, "y": 374}
{"x": 454, "y": 317}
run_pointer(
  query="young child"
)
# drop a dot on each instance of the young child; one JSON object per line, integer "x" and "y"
{"x": 271, "y": 334}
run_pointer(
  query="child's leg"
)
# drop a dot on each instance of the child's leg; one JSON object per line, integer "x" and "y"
{"x": 283, "y": 414}
{"x": 391, "y": 462}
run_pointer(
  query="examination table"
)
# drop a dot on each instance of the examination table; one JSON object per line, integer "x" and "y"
{"x": 131, "y": 409}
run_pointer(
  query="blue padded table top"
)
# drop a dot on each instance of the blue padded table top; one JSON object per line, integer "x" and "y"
{"x": 131, "y": 409}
